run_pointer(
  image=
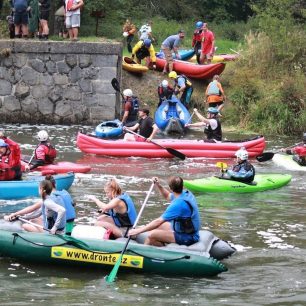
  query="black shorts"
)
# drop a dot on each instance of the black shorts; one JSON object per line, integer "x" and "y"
{"x": 21, "y": 18}
{"x": 44, "y": 14}
{"x": 215, "y": 104}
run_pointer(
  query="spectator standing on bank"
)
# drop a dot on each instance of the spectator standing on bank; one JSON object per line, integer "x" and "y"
{"x": 169, "y": 45}
{"x": 145, "y": 32}
{"x": 207, "y": 46}
{"x": 197, "y": 40}
{"x": 129, "y": 30}
{"x": 44, "y": 11}
{"x": 73, "y": 17}
{"x": 21, "y": 10}
{"x": 33, "y": 18}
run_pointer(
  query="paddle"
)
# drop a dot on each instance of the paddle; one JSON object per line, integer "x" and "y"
{"x": 189, "y": 120}
{"x": 116, "y": 86}
{"x": 269, "y": 155}
{"x": 223, "y": 166}
{"x": 111, "y": 277}
{"x": 174, "y": 152}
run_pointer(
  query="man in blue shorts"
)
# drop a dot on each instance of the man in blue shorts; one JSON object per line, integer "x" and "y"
{"x": 180, "y": 223}
{"x": 21, "y": 10}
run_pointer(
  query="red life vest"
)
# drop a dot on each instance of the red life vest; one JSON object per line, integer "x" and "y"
{"x": 50, "y": 152}
{"x": 300, "y": 151}
{"x": 10, "y": 164}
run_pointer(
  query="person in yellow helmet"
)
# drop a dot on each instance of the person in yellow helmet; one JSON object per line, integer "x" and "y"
{"x": 182, "y": 87}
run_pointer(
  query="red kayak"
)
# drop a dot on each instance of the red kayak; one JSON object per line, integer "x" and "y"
{"x": 191, "y": 148}
{"x": 60, "y": 167}
{"x": 192, "y": 70}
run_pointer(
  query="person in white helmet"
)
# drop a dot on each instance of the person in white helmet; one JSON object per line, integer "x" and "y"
{"x": 44, "y": 153}
{"x": 130, "y": 108}
{"x": 165, "y": 91}
{"x": 243, "y": 171}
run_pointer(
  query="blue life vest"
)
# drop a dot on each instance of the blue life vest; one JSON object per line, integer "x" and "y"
{"x": 127, "y": 219}
{"x": 68, "y": 202}
{"x": 243, "y": 172}
{"x": 213, "y": 88}
{"x": 191, "y": 224}
{"x": 50, "y": 220}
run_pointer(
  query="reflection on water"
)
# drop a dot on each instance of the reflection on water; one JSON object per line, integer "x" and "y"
{"x": 267, "y": 228}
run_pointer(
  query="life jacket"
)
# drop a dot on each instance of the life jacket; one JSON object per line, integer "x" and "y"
{"x": 49, "y": 217}
{"x": 165, "y": 92}
{"x": 128, "y": 218}
{"x": 197, "y": 36}
{"x": 49, "y": 150}
{"x": 133, "y": 113}
{"x": 247, "y": 167}
{"x": 187, "y": 82}
{"x": 142, "y": 52}
{"x": 187, "y": 225}
{"x": 300, "y": 151}
{"x": 214, "y": 134}
{"x": 10, "y": 164}
{"x": 68, "y": 202}
{"x": 213, "y": 88}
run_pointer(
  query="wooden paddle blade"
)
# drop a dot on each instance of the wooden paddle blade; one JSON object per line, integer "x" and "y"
{"x": 178, "y": 154}
{"x": 115, "y": 84}
{"x": 112, "y": 275}
{"x": 265, "y": 156}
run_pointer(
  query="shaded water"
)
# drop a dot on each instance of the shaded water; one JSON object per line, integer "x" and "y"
{"x": 267, "y": 228}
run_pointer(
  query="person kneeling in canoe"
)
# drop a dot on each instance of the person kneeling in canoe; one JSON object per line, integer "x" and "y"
{"x": 145, "y": 127}
{"x": 180, "y": 223}
{"x": 144, "y": 49}
{"x": 35, "y": 214}
{"x": 44, "y": 154}
{"x": 298, "y": 152}
{"x": 212, "y": 124}
{"x": 243, "y": 171}
{"x": 10, "y": 164}
{"x": 119, "y": 214}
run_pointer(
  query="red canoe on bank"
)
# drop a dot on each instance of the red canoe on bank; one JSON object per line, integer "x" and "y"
{"x": 191, "y": 148}
{"x": 192, "y": 70}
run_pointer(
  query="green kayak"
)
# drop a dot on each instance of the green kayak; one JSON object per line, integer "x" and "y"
{"x": 261, "y": 182}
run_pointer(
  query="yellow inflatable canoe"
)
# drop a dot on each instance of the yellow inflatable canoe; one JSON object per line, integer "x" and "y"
{"x": 129, "y": 65}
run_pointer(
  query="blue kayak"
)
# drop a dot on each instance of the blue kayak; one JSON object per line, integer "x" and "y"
{"x": 109, "y": 129}
{"x": 171, "y": 116}
{"x": 184, "y": 54}
{"x": 28, "y": 186}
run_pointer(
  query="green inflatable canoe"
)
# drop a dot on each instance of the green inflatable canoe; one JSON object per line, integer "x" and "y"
{"x": 261, "y": 182}
{"x": 172, "y": 260}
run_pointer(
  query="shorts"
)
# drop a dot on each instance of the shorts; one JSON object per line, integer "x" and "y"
{"x": 21, "y": 18}
{"x": 215, "y": 104}
{"x": 73, "y": 21}
{"x": 168, "y": 55}
{"x": 185, "y": 239}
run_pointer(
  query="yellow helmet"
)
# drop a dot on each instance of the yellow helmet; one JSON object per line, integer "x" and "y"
{"x": 172, "y": 75}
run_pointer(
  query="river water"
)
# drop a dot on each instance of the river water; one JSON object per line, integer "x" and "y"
{"x": 267, "y": 228}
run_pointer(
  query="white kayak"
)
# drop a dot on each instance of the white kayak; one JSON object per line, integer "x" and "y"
{"x": 286, "y": 161}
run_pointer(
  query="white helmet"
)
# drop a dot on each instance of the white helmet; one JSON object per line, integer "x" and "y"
{"x": 125, "y": 34}
{"x": 42, "y": 135}
{"x": 128, "y": 92}
{"x": 165, "y": 83}
{"x": 242, "y": 154}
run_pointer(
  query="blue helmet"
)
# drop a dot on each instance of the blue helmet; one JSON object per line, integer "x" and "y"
{"x": 199, "y": 24}
{"x": 3, "y": 143}
{"x": 213, "y": 110}
{"x": 147, "y": 43}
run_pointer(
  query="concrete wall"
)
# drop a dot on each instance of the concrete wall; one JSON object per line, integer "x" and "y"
{"x": 59, "y": 82}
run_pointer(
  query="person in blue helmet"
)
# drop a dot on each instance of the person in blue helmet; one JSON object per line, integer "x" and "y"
{"x": 180, "y": 223}
{"x": 197, "y": 40}
{"x": 212, "y": 124}
{"x": 144, "y": 49}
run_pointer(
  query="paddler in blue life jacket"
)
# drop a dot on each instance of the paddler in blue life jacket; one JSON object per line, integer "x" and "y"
{"x": 180, "y": 223}
{"x": 34, "y": 212}
{"x": 130, "y": 108}
{"x": 119, "y": 214}
{"x": 182, "y": 87}
{"x": 243, "y": 171}
{"x": 212, "y": 124}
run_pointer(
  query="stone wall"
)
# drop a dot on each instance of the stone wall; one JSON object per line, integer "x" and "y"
{"x": 59, "y": 82}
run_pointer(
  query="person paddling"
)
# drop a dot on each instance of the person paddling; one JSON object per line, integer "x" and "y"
{"x": 119, "y": 213}
{"x": 212, "y": 124}
{"x": 298, "y": 152}
{"x": 243, "y": 171}
{"x": 180, "y": 223}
